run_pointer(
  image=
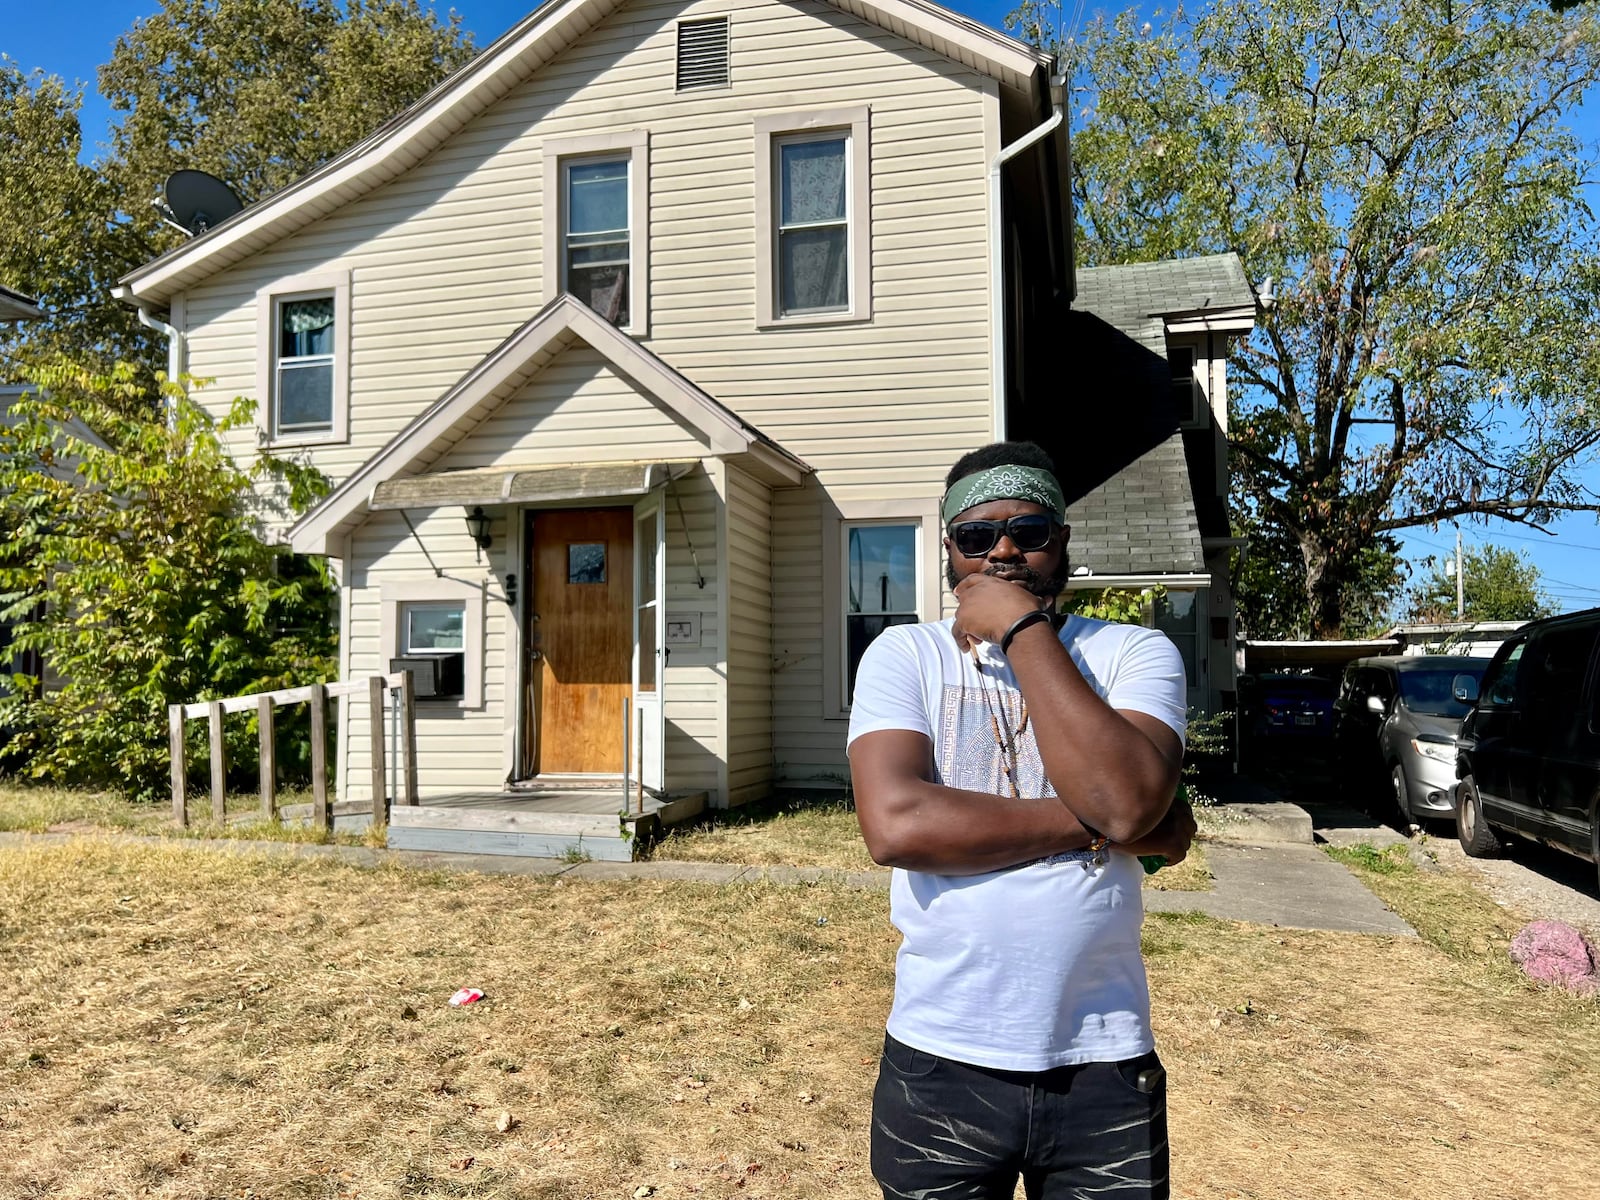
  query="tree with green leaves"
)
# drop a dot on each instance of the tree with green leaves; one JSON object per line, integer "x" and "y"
{"x": 60, "y": 239}
{"x": 1399, "y": 180}
{"x": 1498, "y": 584}
{"x": 260, "y": 92}
{"x": 1270, "y": 589}
{"x": 257, "y": 92}
{"x": 130, "y": 564}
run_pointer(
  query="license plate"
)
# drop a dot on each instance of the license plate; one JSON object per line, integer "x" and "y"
{"x": 1305, "y": 718}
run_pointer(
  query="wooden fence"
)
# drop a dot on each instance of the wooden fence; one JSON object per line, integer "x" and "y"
{"x": 265, "y": 705}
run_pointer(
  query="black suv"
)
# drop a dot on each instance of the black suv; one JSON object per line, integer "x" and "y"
{"x": 1529, "y": 759}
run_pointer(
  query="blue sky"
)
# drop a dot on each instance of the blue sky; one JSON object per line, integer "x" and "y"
{"x": 70, "y": 38}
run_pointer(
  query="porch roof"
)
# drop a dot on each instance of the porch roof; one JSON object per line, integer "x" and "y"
{"x": 560, "y": 324}
{"x": 527, "y": 485}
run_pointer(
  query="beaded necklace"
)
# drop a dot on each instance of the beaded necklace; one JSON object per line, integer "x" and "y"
{"x": 1005, "y": 738}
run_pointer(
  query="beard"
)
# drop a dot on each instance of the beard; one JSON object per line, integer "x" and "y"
{"x": 1046, "y": 587}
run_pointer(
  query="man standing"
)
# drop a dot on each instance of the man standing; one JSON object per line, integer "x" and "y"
{"x": 1010, "y": 771}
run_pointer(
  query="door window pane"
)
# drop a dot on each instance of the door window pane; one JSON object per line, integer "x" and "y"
{"x": 1499, "y": 686}
{"x": 644, "y": 538}
{"x": 880, "y": 587}
{"x": 586, "y": 562}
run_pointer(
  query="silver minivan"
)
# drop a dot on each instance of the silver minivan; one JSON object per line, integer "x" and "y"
{"x": 1396, "y": 721}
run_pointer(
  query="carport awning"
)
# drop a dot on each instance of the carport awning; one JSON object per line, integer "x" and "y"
{"x": 1277, "y": 656}
{"x": 527, "y": 485}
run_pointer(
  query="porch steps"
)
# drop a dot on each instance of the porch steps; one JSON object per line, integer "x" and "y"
{"x": 501, "y": 829}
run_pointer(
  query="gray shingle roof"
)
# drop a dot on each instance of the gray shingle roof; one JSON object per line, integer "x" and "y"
{"x": 1136, "y": 296}
{"x": 1133, "y": 509}
{"x": 1141, "y": 521}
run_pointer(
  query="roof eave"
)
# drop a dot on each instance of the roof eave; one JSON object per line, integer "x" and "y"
{"x": 513, "y": 57}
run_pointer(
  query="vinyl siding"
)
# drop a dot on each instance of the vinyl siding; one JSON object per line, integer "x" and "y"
{"x": 448, "y": 260}
{"x": 458, "y": 749}
{"x": 694, "y": 674}
{"x": 749, "y": 708}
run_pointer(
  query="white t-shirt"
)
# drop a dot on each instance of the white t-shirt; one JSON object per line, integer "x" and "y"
{"x": 1038, "y": 965}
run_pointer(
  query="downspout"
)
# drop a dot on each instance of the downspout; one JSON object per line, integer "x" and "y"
{"x": 176, "y": 348}
{"x": 997, "y": 300}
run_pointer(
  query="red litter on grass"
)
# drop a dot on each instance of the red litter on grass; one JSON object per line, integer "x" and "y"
{"x": 466, "y": 996}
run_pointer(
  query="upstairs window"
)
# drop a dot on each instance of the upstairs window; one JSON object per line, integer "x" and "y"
{"x": 596, "y": 247}
{"x": 596, "y": 234}
{"x": 304, "y": 390}
{"x": 303, "y": 361}
{"x": 813, "y": 225}
{"x": 812, "y": 211}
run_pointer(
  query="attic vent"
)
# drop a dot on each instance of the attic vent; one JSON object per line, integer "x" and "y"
{"x": 703, "y": 54}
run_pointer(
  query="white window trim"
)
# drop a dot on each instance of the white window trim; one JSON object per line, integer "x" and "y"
{"x": 835, "y": 544}
{"x": 472, "y": 596}
{"x": 302, "y": 287}
{"x": 856, "y": 124}
{"x": 635, "y": 143}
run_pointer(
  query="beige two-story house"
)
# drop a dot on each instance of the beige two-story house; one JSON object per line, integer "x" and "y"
{"x": 636, "y": 353}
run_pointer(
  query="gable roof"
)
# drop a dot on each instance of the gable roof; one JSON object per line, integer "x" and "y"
{"x": 1144, "y": 299}
{"x": 505, "y": 368}
{"x": 404, "y": 140}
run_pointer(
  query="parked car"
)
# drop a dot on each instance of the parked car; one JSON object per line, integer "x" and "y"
{"x": 1395, "y": 724}
{"x": 1291, "y": 706}
{"x": 1529, "y": 758}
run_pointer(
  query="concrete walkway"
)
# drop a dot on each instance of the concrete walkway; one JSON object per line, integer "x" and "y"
{"x": 1290, "y": 884}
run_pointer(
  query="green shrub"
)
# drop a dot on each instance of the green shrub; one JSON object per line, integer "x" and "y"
{"x": 132, "y": 564}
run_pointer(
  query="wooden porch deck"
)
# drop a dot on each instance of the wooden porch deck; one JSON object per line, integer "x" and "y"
{"x": 538, "y": 823}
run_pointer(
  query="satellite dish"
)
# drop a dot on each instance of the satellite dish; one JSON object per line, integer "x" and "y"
{"x": 197, "y": 201}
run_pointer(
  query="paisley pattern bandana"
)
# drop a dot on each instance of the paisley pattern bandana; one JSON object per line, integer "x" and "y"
{"x": 1005, "y": 483}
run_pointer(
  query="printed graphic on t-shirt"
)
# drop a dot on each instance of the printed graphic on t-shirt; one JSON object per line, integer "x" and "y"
{"x": 974, "y": 726}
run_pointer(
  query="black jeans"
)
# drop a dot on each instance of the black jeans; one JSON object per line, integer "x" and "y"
{"x": 945, "y": 1130}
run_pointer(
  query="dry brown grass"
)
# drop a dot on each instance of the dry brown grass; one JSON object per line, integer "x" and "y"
{"x": 824, "y": 833}
{"x": 30, "y": 809}
{"x": 181, "y": 1024}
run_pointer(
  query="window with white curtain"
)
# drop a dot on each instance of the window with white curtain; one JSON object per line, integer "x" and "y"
{"x": 303, "y": 391}
{"x": 813, "y": 249}
{"x": 813, "y": 216}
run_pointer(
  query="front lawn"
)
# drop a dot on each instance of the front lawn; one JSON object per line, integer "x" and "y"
{"x": 182, "y": 1023}
{"x": 808, "y": 832}
{"x": 27, "y": 809}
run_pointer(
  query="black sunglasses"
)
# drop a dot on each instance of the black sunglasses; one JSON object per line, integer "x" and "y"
{"x": 1027, "y": 533}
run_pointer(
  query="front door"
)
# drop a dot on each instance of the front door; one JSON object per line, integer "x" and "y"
{"x": 580, "y": 639}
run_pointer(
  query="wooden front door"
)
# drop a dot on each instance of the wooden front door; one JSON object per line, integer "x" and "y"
{"x": 581, "y": 638}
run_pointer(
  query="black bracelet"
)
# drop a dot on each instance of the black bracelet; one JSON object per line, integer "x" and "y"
{"x": 1021, "y": 623}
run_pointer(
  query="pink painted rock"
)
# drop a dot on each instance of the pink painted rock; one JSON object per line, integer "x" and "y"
{"x": 1554, "y": 952}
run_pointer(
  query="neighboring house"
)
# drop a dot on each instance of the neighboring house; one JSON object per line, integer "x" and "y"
{"x": 1478, "y": 638}
{"x": 637, "y": 352}
{"x": 1144, "y": 452}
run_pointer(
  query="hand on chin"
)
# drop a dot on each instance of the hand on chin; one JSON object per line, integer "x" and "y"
{"x": 988, "y": 605}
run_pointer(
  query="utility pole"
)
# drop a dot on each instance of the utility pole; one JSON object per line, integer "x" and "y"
{"x": 1461, "y": 594}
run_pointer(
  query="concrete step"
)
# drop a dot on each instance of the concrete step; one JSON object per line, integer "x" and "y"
{"x": 491, "y": 820}
{"x": 1263, "y": 823}
{"x": 601, "y": 848}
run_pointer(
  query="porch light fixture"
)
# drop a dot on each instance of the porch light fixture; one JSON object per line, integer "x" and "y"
{"x": 478, "y": 528}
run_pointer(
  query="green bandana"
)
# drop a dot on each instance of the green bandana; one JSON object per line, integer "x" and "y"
{"x": 1005, "y": 483}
